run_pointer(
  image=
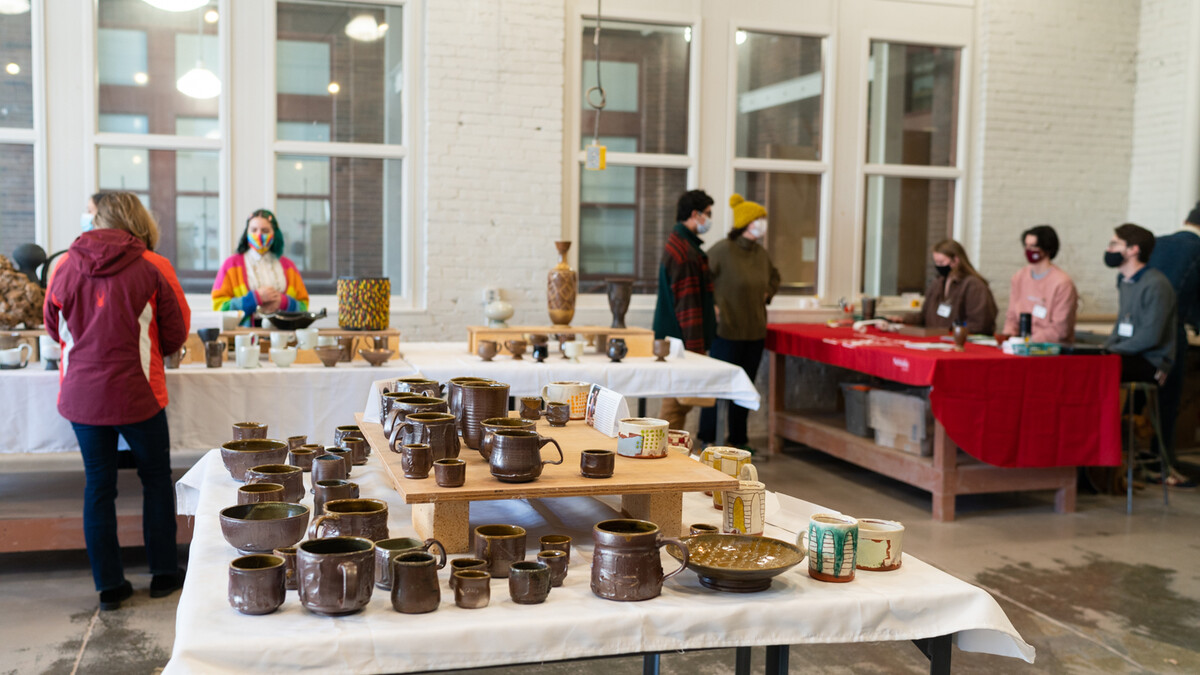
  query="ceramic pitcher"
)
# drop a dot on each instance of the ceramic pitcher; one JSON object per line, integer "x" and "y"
{"x": 516, "y": 455}
{"x": 626, "y": 565}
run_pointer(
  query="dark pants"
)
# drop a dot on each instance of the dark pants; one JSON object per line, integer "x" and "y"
{"x": 1136, "y": 369}
{"x": 1170, "y": 395}
{"x": 744, "y": 353}
{"x": 150, "y": 442}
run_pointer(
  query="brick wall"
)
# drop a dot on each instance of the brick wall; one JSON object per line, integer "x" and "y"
{"x": 1055, "y": 135}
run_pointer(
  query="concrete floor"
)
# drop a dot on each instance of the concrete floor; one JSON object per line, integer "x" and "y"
{"x": 1093, "y": 591}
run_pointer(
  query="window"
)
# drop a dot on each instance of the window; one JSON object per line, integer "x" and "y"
{"x": 340, "y": 161}
{"x": 18, "y": 132}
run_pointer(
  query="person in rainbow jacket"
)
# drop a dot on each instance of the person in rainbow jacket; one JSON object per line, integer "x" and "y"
{"x": 258, "y": 278}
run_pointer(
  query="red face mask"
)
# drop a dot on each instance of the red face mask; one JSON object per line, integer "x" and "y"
{"x": 1033, "y": 256}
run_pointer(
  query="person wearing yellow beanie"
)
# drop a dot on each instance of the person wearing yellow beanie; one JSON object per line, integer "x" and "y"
{"x": 744, "y": 281}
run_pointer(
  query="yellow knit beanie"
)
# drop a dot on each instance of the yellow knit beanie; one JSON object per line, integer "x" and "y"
{"x": 745, "y": 212}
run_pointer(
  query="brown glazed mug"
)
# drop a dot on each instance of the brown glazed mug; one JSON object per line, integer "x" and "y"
{"x": 254, "y": 493}
{"x": 450, "y": 473}
{"x": 256, "y": 583}
{"x": 556, "y": 542}
{"x": 529, "y": 582}
{"x": 403, "y": 407}
{"x": 516, "y": 455}
{"x": 357, "y": 444}
{"x": 214, "y": 354}
{"x": 387, "y": 404}
{"x": 481, "y": 401}
{"x": 414, "y": 582}
{"x": 340, "y": 432}
{"x": 494, "y": 424}
{"x": 416, "y": 459}
{"x": 703, "y": 528}
{"x": 302, "y": 457}
{"x": 246, "y": 430}
{"x": 454, "y": 396}
{"x": 336, "y": 574}
{"x": 557, "y": 562}
{"x": 296, "y": 441}
{"x": 288, "y": 554}
{"x": 472, "y": 588}
{"x": 531, "y": 407}
{"x": 290, "y": 477}
{"x": 516, "y": 348}
{"x": 351, "y": 518}
{"x": 557, "y": 413}
{"x": 329, "y": 490}
{"x": 597, "y": 463}
{"x": 626, "y": 565}
{"x": 386, "y": 551}
{"x": 419, "y": 385}
{"x": 661, "y": 348}
{"x": 487, "y": 349}
{"x": 435, "y": 429}
{"x": 500, "y": 546}
{"x": 329, "y": 467}
{"x": 345, "y": 453}
{"x": 463, "y": 564}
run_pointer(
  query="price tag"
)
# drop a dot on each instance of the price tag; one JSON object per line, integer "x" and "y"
{"x": 1039, "y": 312}
{"x": 1125, "y": 330}
{"x": 943, "y": 310}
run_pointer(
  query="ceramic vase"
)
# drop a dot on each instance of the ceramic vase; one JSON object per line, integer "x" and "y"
{"x": 619, "y": 293}
{"x": 562, "y": 284}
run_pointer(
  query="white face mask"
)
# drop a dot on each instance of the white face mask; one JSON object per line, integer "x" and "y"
{"x": 86, "y": 222}
{"x": 757, "y": 229}
{"x": 705, "y": 226}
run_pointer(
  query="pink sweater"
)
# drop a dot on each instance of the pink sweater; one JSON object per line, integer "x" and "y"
{"x": 1051, "y": 300}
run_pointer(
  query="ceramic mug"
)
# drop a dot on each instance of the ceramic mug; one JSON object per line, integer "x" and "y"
{"x": 246, "y": 430}
{"x": 387, "y": 550}
{"x": 17, "y": 357}
{"x": 283, "y": 357}
{"x": 247, "y": 357}
{"x": 678, "y": 439}
{"x": 280, "y": 339}
{"x": 746, "y": 507}
{"x": 557, "y": 561}
{"x": 414, "y": 582}
{"x": 472, "y": 588}
{"x": 642, "y": 437}
{"x": 572, "y": 393}
{"x": 306, "y": 338}
{"x": 416, "y": 459}
{"x": 253, "y": 493}
{"x": 556, "y": 542}
{"x": 290, "y": 477}
{"x": 257, "y": 583}
{"x": 730, "y": 462}
{"x": 832, "y": 547}
{"x": 48, "y": 349}
{"x": 500, "y": 546}
{"x": 352, "y": 518}
{"x": 573, "y": 350}
{"x": 173, "y": 360}
{"x": 329, "y": 466}
{"x": 529, "y": 582}
{"x": 557, "y": 414}
{"x": 597, "y": 463}
{"x": 880, "y": 544}
{"x": 214, "y": 354}
{"x": 531, "y": 407}
{"x": 462, "y": 564}
{"x": 331, "y": 489}
{"x": 336, "y": 574}
{"x": 435, "y": 429}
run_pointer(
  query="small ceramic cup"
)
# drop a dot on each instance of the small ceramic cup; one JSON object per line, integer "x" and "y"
{"x": 642, "y": 437}
{"x": 557, "y": 413}
{"x": 256, "y": 584}
{"x": 386, "y": 550}
{"x": 557, "y": 562}
{"x": 254, "y": 493}
{"x": 555, "y": 542}
{"x": 462, "y": 564}
{"x": 746, "y": 507}
{"x": 529, "y": 582}
{"x": 472, "y": 588}
{"x": 302, "y": 457}
{"x": 244, "y": 430}
{"x": 531, "y": 407}
{"x": 597, "y": 463}
{"x": 832, "y": 547}
{"x": 487, "y": 349}
{"x": 679, "y": 440}
{"x": 703, "y": 528}
{"x": 450, "y": 473}
{"x": 416, "y": 459}
{"x": 880, "y": 544}
{"x": 288, "y": 553}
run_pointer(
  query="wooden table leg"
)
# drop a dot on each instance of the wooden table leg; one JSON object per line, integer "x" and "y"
{"x": 448, "y": 522}
{"x": 776, "y": 384}
{"x": 664, "y": 509}
{"x": 1064, "y": 497}
{"x": 945, "y": 463}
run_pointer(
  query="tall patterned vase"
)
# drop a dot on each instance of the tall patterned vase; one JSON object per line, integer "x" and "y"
{"x": 363, "y": 302}
{"x": 562, "y": 284}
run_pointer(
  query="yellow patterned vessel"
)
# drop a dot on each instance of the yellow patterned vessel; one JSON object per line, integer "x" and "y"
{"x": 364, "y": 302}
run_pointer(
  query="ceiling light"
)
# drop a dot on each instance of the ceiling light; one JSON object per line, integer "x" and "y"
{"x": 14, "y": 6}
{"x": 136, "y": 159}
{"x": 334, "y": 87}
{"x": 214, "y": 133}
{"x": 740, "y": 37}
{"x": 299, "y": 166}
{"x": 176, "y": 5}
{"x": 141, "y": 78}
{"x": 364, "y": 28}
{"x": 211, "y": 16}
{"x": 12, "y": 69}
{"x": 199, "y": 83}
{"x": 687, "y": 34}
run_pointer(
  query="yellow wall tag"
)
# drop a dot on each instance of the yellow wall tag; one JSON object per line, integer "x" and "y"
{"x": 594, "y": 157}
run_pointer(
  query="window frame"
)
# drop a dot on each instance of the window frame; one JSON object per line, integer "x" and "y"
{"x": 35, "y": 136}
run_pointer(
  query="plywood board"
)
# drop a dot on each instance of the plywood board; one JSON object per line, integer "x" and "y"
{"x": 640, "y": 341}
{"x": 674, "y": 473}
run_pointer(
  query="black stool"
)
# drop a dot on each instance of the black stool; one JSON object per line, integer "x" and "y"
{"x": 1130, "y": 389}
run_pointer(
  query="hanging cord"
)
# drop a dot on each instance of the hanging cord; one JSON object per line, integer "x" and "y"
{"x": 598, "y": 88}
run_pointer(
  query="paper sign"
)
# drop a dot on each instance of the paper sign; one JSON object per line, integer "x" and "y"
{"x": 605, "y": 408}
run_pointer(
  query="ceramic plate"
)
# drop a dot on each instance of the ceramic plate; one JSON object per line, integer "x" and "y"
{"x": 738, "y": 563}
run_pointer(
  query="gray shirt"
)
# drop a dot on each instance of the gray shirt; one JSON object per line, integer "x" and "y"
{"x": 1147, "y": 306}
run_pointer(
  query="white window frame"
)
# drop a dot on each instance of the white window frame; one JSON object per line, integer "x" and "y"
{"x": 35, "y": 136}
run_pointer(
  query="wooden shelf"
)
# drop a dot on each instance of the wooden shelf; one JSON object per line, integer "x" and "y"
{"x": 640, "y": 341}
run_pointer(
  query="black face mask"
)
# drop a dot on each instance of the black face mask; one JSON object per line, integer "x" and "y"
{"x": 1113, "y": 258}
{"x": 942, "y": 270}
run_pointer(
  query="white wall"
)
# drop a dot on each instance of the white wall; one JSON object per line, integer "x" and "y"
{"x": 1055, "y": 136}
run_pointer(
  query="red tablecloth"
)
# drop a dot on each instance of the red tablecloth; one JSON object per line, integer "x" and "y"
{"x": 1006, "y": 410}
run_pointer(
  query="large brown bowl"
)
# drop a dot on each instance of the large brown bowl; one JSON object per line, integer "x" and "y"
{"x": 738, "y": 563}
{"x": 241, "y": 456}
{"x": 264, "y": 527}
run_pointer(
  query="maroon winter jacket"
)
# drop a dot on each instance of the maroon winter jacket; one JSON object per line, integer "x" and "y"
{"x": 115, "y": 308}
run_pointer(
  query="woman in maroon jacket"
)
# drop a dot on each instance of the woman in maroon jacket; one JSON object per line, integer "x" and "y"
{"x": 116, "y": 308}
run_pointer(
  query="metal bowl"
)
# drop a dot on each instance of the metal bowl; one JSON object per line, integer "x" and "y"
{"x": 293, "y": 320}
{"x": 738, "y": 563}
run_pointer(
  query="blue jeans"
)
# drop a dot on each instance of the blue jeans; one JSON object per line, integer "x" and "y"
{"x": 744, "y": 353}
{"x": 150, "y": 443}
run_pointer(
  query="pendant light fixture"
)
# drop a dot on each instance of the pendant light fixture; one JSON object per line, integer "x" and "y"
{"x": 199, "y": 82}
{"x": 365, "y": 29}
{"x": 14, "y": 6}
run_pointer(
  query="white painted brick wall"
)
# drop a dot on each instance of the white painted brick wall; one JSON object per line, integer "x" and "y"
{"x": 1159, "y": 115}
{"x": 1055, "y": 135}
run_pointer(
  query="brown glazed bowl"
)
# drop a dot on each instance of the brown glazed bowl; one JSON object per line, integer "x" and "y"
{"x": 376, "y": 357}
{"x": 738, "y": 563}
{"x": 329, "y": 355}
{"x": 241, "y": 456}
{"x": 264, "y": 527}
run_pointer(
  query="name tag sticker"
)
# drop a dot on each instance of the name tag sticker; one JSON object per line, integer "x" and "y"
{"x": 1125, "y": 330}
{"x": 1039, "y": 312}
{"x": 943, "y": 310}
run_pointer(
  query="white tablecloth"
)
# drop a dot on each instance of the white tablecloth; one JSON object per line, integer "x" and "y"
{"x": 205, "y": 402}
{"x": 916, "y": 601}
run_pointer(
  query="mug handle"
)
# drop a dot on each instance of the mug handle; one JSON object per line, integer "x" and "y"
{"x": 183, "y": 352}
{"x": 349, "y": 572}
{"x": 545, "y": 398}
{"x": 485, "y": 445}
{"x": 682, "y": 548}
{"x": 315, "y": 528}
{"x": 27, "y": 351}
{"x": 543, "y": 441}
{"x": 396, "y": 429}
{"x": 441, "y": 550}
{"x": 748, "y": 472}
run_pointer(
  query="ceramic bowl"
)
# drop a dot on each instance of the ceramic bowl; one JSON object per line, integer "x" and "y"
{"x": 293, "y": 320}
{"x": 376, "y": 357}
{"x": 240, "y": 456}
{"x": 263, "y": 527}
{"x": 329, "y": 355}
{"x": 738, "y": 563}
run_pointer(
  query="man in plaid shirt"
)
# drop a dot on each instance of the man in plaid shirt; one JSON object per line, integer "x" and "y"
{"x": 685, "y": 308}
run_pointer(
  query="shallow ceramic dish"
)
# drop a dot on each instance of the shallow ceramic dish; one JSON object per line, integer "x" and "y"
{"x": 738, "y": 563}
{"x": 376, "y": 357}
{"x": 264, "y": 527}
{"x": 329, "y": 355}
{"x": 293, "y": 320}
{"x": 240, "y": 456}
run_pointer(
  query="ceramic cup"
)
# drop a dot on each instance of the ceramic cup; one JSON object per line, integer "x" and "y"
{"x": 680, "y": 440}
{"x": 283, "y": 357}
{"x": 487, "y": 349}
{"x": 326, "y": 341}
{"x": 296, "y": 441}
{"x": 745, "y": 510}
{"x": 414, "y": 582}
{"x": 528, "y": 582}
{"x": 880, "y": 544}
{"x": 288, "y": 554}
{"x": 531, "y": 407}
{"x": 358, "y": 447}
{"x": 256, "y": 583}
{"x": 302, "y": 457}
{"x": 290, "y": 477}
{"x": 642, "y": 437}
{"x": 246, "y": 430}
{"x": 557, "y": 413}
{"x": 500, "y": 546}
{"x": 346, "y": 454}
{"x": 173, "y": 360}
{"x": 352, "y": 518}
{"x": 337, "y": 574}
{"x": 329, "y": 467}
{"x": 571, "y": 392}
{"x": 597, "y": 463}
{"x": 832, "y": 547}
{"x": 703, "y": 528}
{"x": 416, "y": 459}
{"x": 435, "y": 429}
{"x": 493, "y": 424}
{"x": 16, "y": 357}
{"x": 254, "y": 493}
{"x": 386, "y": 550}
{"x": 247, "y": 357}
{"x": 626, "y": 563}
{"x": 214, "y": 354}
{"x": 557, "y": 562}
{"x": 49, "y": 351}
{"x": 306, "y": 338}
{"x": 240, "y": 341}
{"x": 472, "y": 588}
{"x": 463, "y": 564}
{"x": 516, "y": 348}
{"x": 662, "y": 348}
{"x": 730, "y": 462}
{"x": 342, "y": 431}
{"x": 280, "y": 339}
{"x": 331, "y": 489}
{"x": 555, "y": 542}
{"x": 573, "y": 350}
{"x": 450, "y": 473}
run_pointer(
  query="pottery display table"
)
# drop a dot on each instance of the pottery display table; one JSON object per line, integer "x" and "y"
{"x": 650, "y": 489}
{"x": 640, "y": 341}
{"x": 916, "y": 602}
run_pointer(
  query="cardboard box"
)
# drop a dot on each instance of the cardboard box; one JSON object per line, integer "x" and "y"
{"x": 890, "y": 439}
{"x": 902, "y": 419}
